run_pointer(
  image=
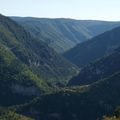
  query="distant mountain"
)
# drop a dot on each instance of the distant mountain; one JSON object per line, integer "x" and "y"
{"x": 64, "y": 34}
{"x": 78, "y": 103}
{"x": 95, "y": 48}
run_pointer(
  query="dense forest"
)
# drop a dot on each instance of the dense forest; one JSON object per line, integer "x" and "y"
{"x": 59, "y": 69}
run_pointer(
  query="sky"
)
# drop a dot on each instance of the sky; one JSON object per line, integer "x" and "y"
{"x": 108, "y": 10}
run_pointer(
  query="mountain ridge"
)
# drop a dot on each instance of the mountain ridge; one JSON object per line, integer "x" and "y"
{"x": 95, "y": 48}
{"x": 63, "y": 34}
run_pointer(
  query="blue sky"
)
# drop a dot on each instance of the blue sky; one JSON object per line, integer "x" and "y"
{"x": 77, "y": 9}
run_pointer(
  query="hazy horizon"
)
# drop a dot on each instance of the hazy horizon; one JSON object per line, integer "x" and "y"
{"x": 104, "y": 10}
{"x": 64, "y": 18}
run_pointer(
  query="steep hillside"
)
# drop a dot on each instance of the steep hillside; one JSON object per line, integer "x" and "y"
{"x": 95, "y": 48}
{"x": 93, "y": 102}
{"x": 34, "y": 53}
{"x": 17, "y": 82}
{"x": 98, "y": 70}
{"x": 63, "y": 34}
